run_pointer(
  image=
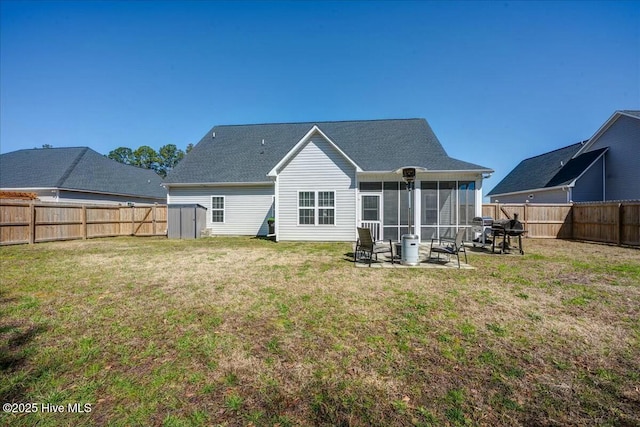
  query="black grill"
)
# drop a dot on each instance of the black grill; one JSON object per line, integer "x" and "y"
{"x": 507, "y": 228}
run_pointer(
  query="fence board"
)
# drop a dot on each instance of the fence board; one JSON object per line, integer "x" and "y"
{"x": 33, "y": 222}
{"x": 15, "y": 221}
{"x": 541, "y": 220}
{"x": 607, "y": 222}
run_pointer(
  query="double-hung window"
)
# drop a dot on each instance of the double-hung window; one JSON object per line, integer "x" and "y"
{"x": 217, "y": 209}
{"x": 316, "y": 207}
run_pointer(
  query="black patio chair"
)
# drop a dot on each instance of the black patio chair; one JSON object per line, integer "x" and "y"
{"x": 367, "y": 246}
{"x": 450, "y": 246}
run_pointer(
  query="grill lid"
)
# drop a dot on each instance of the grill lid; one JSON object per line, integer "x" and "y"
{"x": 482, "y": 220}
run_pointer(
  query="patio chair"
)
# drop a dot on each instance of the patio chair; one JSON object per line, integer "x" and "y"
{"x": 450, "y": 246}
{"x": 366, "y": 245}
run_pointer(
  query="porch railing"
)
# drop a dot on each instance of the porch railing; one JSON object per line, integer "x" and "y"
{"x": 374, "y": 226}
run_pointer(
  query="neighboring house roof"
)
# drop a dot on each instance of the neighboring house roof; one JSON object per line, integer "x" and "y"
{"x": 236, "y": 153}
{"x": 78, "y": 168}
{"x": 632, "y": 113}
{"x": 547, "y": 170}
{"x": 635, "y": 114}
{"x": 574, "y": 168}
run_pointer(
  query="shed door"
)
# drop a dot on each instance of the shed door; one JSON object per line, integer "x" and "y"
{"x": 188, "y": 223}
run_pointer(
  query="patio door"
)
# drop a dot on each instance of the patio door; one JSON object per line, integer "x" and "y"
{"x": 371, "y": 214}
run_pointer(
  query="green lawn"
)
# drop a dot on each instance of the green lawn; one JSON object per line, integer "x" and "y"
{"x": 240, "y": 331}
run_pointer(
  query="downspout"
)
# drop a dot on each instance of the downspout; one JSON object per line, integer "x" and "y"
{"x": 358, "y": 207}
{"x": 277, "y": 213}
{"x": 604, "y": 179}
{"x": 417, "y": 209}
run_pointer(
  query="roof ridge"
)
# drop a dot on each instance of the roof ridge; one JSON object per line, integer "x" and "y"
{"x": 557, "y": 149}
{"x": 71, "y": 167}
{"x": 320, "y": 122}
{"x": 49, "y": 148}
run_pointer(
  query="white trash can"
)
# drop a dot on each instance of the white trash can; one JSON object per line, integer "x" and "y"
{"x": 410, "y": 249}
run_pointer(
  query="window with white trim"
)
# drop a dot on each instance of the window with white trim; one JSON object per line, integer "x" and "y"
{"x": 217, "y": 208}
{"x": 316, "y": 207}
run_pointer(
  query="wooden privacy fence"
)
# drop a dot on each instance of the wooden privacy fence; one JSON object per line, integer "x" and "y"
{"x": 608, "y": 222}
{"x": 34, "y": 222}
{"x": 612, "y": 222}
{"x": 540, "y": 220}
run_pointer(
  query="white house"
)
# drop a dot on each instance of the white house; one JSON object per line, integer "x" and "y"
{"x": 604, "y": 167}
{"x": 321, "y": 180}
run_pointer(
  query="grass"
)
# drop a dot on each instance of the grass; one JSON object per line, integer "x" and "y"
{"x": 241, "y": 331}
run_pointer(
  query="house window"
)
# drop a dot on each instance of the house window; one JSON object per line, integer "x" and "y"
{"x": 316, "y": 207}
{"x": 217, "y": 209}
{"x": 326, "y": 207}
{"x": 306, "y": 207}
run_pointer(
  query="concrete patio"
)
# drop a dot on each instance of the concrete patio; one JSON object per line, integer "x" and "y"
{"x": 384, "y": 261}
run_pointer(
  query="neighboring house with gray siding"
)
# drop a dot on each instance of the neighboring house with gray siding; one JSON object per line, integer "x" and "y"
{"x": 604, "y": 167}
{"x": 78, "y": 175}
{"x": 321, "y": 180}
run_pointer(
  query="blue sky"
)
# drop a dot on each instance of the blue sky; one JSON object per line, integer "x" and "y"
{"x": 514, "y": 78}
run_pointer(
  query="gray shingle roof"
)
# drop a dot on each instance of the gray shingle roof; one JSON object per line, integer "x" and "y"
{"x": 634, "y": 113}
{"x": 547, "y": 170}
{"x": 78, "y": 168}
{"x": 574, "y": 168}
{"x": 237, "y": 155}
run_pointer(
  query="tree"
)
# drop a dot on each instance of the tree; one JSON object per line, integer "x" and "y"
{"x": 146, "y": 157}
{"x": 161, "y": 162}
{"x": 122, "y": 155}
{"x": 169, "y": 156}
{"x": 189, "y": 147}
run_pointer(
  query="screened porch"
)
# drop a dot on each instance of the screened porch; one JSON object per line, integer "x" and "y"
{"x": 440, "y": 208}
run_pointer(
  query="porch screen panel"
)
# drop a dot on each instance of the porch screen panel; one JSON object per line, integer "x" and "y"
{"x": 447, "y": 196}
{"x": 390, "y": 195}
{"x": 429, "y": 216}
{"x": 370, "y": 208}
{"x": 404, "y": 205}
{"x": 447, "y": 208}
{"x": 371, "y": 186}
{"x": 467, "y": 205}
{"x": 390, "y": 216}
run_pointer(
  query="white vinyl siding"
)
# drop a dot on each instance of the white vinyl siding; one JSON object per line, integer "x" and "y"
{"x": 317, "y": 168}
{"x": 246, "y": 208}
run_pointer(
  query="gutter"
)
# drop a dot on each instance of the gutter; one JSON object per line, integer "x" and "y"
{"x": 216, "y": 184}
{"x": 427, "y": 171}
{"x": 535, "y": 190}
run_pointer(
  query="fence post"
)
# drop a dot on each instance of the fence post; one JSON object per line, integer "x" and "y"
{"x": 84, "y": 222}
{"x": 133, "y": 220}
{"x": 153, "y": 219}
{"x": 620, "y": 220}
{"x": 32, "y": 223}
